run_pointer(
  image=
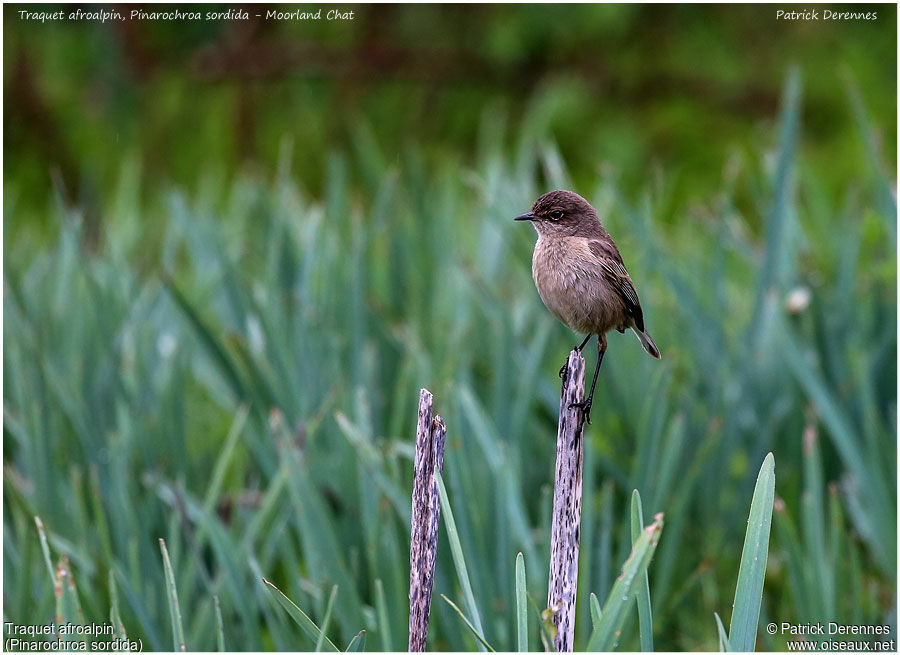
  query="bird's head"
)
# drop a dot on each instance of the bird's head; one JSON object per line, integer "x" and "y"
{"x": 563, "y": 213}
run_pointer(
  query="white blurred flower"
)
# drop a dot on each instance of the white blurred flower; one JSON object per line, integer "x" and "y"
{"x": 798, "y": 299}
{"x": 166, "y": 344}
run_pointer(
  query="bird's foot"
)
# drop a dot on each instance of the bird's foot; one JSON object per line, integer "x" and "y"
{"x": 585, "y": 407}
{"x": 563, "y": 368}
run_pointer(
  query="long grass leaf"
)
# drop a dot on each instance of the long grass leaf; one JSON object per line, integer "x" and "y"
{"x": 115, "y": 615}
{"x": 724, "y": 644}
{"x": 456, "y": 550}
{"x": 643, "y": 593}
{"x": 172, "y": 596}
{"x": 326, "y": 619}
{"x": 222, "y": 461}
{"x": 877, "y": 527}
{"x": 521, "y": 605}
{"x": 886, "y": 195}
{"x": 358, "y": 643}
{"x": 45, "y": 548}
{"x": 220, "y": 626}
{"x": 469, "y": 625}
{"x": 752, "y": 573}
{"x": 384, "y": 626}
{"x": 299, "y": 616}
{"x": 774, "y": 269}
{"x": 68, "y": 606}
{"x": 209, "y": 340}
{"x": 606, "y": 634}
{"x": 596, "y": 612}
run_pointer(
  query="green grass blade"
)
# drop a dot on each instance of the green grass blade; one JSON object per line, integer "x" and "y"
{"x": 605, "y": 560}
{"x": 724, "y": 644}
{"x": 68, "y": 607}
{"x": 300, "y": 618}
{"x": 521, "y": 605}
{"x": 469, "y": 625}
{"x": 456, "y": 550}
{"x": 873, "y": 489}
{"x": 643, "y": 593}
{"x": 775, "y": 269}
{"x": 887, "y": 202}
{"x": 207, "y": 337}
{"x": 327, "y": 619}
{"x": 752, "y": 573}
{"x": 319, "y": 538}
{"x": 606, "y": 635}
{"x": 358, "y": 643}
{"x": 220, "y": 626}
{"x": 813, "y": 520}
{"x": 172, "y": 595}
{"x": 100, "y": 515}
{"x": 384, "y": 626}
{"x": 115, "y": 615}
{"x": 596, "y": 612}
{"x": 45, "y": 547}
{"x": 224, "y": 459}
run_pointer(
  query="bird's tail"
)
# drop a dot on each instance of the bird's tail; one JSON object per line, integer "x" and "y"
{"x": 647, "y": 342}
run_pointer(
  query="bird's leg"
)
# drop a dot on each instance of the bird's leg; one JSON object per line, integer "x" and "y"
{"x": 584, "y": 343}
{"x": 586, "y": 405}
{"x": 579, "y": 348}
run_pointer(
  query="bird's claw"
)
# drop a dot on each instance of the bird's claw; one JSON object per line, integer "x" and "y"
{"x": 584, "y": 406}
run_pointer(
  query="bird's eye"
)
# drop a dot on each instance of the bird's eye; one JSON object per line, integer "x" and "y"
{"x": 556, "y": 214}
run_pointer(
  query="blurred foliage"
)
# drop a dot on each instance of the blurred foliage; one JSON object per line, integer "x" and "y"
{"x": 656, "y": 91}
{"x": 234, "y": 252}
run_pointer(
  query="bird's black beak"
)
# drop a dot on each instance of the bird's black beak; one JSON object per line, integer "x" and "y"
{"x": 525, "y": 217}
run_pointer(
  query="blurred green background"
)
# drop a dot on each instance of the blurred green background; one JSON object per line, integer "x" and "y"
{"x": 235, "y": 250}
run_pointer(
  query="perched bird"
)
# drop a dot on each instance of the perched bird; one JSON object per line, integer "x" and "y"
{"x": 580, "y": 276}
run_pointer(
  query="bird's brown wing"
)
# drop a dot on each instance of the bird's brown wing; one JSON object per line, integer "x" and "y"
{"x": 613, "y": 268}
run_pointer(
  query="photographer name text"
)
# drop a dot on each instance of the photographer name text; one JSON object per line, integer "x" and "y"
{"x": 827, "y": 14}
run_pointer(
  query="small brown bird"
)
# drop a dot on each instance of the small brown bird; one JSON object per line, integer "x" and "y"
{"x": 580, "y": 276}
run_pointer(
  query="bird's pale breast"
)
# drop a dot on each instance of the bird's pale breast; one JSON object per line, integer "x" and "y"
{"x": 571, "y": 283}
